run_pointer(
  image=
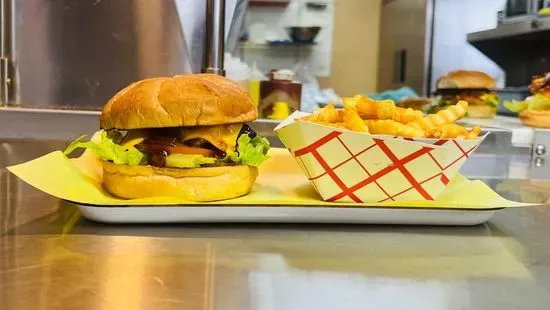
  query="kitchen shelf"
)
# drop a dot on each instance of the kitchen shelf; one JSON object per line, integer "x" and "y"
{"x": 249, "y": 45}
{"x": 268, "y": 3}
{"x": 533, "y": 28}
{"x": 520, "y": 47}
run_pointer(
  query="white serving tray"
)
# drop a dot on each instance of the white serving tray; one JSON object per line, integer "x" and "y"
{"x": 286, "y": 214}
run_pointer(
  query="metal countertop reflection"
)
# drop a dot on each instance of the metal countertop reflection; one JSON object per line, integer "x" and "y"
{"x": 51, "y": 258}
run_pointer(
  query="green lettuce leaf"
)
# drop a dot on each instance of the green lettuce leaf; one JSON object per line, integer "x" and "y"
{"x": 534, "y": 103}
{"x": 252, "y": 152}
{"x": 516, "y": 106}
{"x": 107, "y": 149}
{"x": 437, "y": 104}
{"x": 188, "y": 161}
{"x": 490, "y": 99}
{"x": 432, "y": 109}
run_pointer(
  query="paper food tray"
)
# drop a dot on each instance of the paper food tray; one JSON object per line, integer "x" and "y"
{"x": 348, "y": 166}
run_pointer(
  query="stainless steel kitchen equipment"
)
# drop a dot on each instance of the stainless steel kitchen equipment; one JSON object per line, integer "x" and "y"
{"x": 405, "y": 44}
{"x": 76, "y": 54}
{"x": 519, "y": 44}
{"x": 214, "y": 38}
{"x": 421, "y": 40}
{"x": 518, "y": 8}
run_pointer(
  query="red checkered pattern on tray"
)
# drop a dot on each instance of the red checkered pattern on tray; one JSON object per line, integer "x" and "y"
{"x": 373, "y": 177}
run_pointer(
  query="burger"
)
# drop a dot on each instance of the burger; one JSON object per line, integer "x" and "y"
{"x": 415, "y": 103}
{"x": 184, "y": 136}
{"x": 534, "y": 110}
{"x": 475, "y": 87}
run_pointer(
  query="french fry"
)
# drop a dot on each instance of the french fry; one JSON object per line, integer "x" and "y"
{"x": 453, "y": 131}
{"x": 449, "y": 115}
{"x": 474, "y": 133}
{"x": 365, "y": 106}
{"x": 349, "y": 102}
{"x": 363, "y": 114}
{"x": 383, "y": 127}
{"x": 447, "y": 131}
{"x": 393, "y": 128}
{"x": 407, "y": 115}
{"x": 385, "y": 109}
{"x": 328, "y": 114}
{"x": 372, "y": 109}
{"x": 353, "y": 121}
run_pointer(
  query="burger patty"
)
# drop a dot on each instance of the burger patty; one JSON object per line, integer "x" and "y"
{"x": 162, "y": 142}
{"x": 472, "y": 96}
{"x": 475, "y": 92}
{"x": 470, "y": 99}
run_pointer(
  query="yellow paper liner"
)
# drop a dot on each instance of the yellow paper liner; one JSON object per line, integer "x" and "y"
{"x": 280, "y": 183}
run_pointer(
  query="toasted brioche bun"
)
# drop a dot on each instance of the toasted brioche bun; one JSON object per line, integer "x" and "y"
{"x": 540, "y": 119}
{"x": 481, "y": 111}
{"x": 183, "y": 100}
{"x": 466, "y": 79}
{"x": 196, "y": 184}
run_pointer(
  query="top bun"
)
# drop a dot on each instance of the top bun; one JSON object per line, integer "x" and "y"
{"x": 182, "y": 100}
{"x": 466, "y": 79}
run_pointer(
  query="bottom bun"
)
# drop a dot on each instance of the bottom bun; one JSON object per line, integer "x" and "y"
{"x": 197, "y": 184}
{"x": 481, "y": 111}
{"x": 540, "y": 119}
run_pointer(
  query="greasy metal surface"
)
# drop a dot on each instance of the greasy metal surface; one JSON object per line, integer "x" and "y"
{"x": 50, "y": 258}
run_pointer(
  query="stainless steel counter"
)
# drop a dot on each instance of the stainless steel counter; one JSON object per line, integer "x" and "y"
{"x": 50, "y": 258}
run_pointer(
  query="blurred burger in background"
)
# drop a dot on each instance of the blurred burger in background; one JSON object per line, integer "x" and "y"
{"x": 417, "y": 103}
{"x": 534, "y": 110}
{"x": 475, "y": 87}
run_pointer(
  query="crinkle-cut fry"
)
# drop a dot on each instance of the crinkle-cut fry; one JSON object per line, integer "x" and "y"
{"x": 444, "y": 131}
{"x": 449, "y": 115}
{"x": 407, "y": 115}
{"x": 349, "y": 102}
{"x": 474, "y": 133}
{"x": 411, "y": 132}
{"x": 385, "y": 109}
{"x": 328, "y": 114}
{"x": 393, "y": 128}
{"x": 372, "y": 109}
{"x": 385, "y": 127}
{"x": 365, "y": 106}
{"x": 354, "y": 122}
{"x": 453, "y": 131}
